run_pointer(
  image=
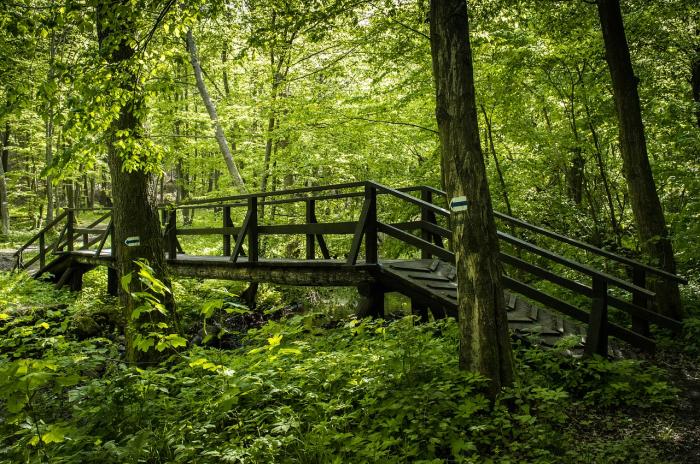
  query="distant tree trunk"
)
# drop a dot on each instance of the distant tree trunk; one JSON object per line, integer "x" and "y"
{"x": 4, "y": 202}
{"x": 135, "y": 212}
{"x": 6, "y": 148}
{"x": 576, "y": 171}
{"x": 648, "y": 214}
{"x": 485, "y": 344}
{"x": 603, "y": 176}
{"x": 236, "y": 178}
{"x": 49, "y": 131}
{"x": 70, "y": 195}
{"x": 695, "y": 75}
{"x": 224, "y": 59}
{"x": 502, "y": 181}
{"x": 91, "y": 192}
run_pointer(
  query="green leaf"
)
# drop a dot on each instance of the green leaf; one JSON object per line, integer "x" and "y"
{"x": 209, "y": 307}
{"x": 126, "y": 281}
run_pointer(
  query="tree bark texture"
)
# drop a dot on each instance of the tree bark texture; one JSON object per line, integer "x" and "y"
{"x": 236, "y": 178}
{"x": 134, "y": 195}
{"x": 484, "y": 340}
{"x": 646, "y": 207}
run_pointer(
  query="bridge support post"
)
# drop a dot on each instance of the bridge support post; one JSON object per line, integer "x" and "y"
{"x": 371, "y": 252}
{"x": 420, "y": 309}
{"x": 371, "y": 302}
{"x": 227, "y": 223}
{"x": 75, "y": 280}
{"x": 310, "y": 238}
{"x": 426, "y": 196}
{"x": 253, "y": 245}
{"x": 597, "y": 336}
{"x": 112, "y": 282}
{"x": 69, "y": 230}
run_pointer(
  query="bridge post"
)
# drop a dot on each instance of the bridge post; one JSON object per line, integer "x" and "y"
{"x": 371, "y": 252}
{"x": 597, "y": 335}
{"x": 420, "y": 309}
{"x": 112, "y": 282}
{"x": 172, "y": 234}
{"x": 42, "y": 254}
{"x": 371, "y": 302}
{"x": 76, "y": 278}
{"x": 639, "y": 325}
{"x": 427, "y": 196}
{"x": 253, "y": 248}
{"x": 227, "y": 223}
{"x": 310, "y": 219}
{"x": 69, "y": 229}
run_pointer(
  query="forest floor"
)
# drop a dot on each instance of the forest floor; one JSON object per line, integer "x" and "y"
{"x": 6, "y": 260}
{"x": 314, "y": 386}
{"x": 683, "y": 422}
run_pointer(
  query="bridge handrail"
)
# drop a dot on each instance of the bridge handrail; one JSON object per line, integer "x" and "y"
{"x": 246, "y": 196}
{"x": 43, "y": 230}
{"x": 570, "y": 241}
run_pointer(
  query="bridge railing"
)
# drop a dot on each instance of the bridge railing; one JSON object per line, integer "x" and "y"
{"x": 362, "y": 219}
{"x": 64, "y": 233}
{"x": 604, "y": 289}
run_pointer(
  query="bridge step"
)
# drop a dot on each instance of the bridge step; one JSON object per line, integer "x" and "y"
{"x": 435, "y": 281}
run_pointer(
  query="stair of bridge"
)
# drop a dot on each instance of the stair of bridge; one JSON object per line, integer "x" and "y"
{"x": 436, "y": 281}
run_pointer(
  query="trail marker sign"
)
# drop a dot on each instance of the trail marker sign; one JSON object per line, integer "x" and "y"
{"x": 132, "y": 241}
{"x": 458, "y": 204}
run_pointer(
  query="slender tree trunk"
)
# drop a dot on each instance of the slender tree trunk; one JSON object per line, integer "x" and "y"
{"x": 91, "y": 193}
{"x": 576, "y": 170}
{"x": 695, "y": 76}
{"x": 236, "y": 178}
{"x": 135, "y": 212}
{"x": 485, "y": 344}
{"x": 603, "y": 175}
{"x": 224, "y": 59}
{"x": 501, "y": 180}
{"x": 648, "y": 214}
{"x": 4, "y": 202}
{"x": 49, "y": 131}
{"x": 6, "y": 148}
{"x": 266, "y": 160}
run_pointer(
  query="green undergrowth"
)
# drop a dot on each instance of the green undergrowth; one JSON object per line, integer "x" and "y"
{"x": 296, "y": 392}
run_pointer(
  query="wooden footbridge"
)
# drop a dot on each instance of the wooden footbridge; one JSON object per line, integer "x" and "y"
{"x": 406, "y": 249}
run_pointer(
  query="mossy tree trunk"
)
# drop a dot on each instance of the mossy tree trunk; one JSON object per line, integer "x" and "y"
{"x": 646, "y": 206}
{"x": 484, "y": 341}
{"x": 134, "y": 193}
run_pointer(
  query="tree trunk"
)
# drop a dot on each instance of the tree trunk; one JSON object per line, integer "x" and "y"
{"x": 485, "y": 344}
{"x": 648, "y": 214}
{"x": 598, "y": 154}
{"x": 496, "y": 162}
{"x": 6, "y": 148}
{"x": 236, "y": 178}
{"x": 134, "y": 196}
{"x": 4, "y": 202}
{"x": 49, "y": 132}
{"x": 224, "y": 59}
{"x": 695, "y": 76}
